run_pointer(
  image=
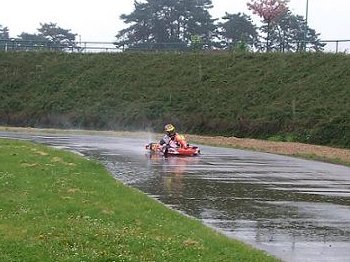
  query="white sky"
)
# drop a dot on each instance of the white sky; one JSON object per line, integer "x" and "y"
{"x": 99, "y": 20}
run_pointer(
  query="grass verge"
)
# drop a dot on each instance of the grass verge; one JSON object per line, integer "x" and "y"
{"x": 58, "y": 206}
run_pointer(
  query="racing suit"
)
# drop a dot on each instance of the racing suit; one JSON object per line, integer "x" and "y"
{"x": 174, "y": 141}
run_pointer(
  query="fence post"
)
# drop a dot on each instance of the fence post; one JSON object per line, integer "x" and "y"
{"x": 337, "y": 47}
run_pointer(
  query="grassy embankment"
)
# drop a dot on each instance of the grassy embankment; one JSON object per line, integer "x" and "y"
{"x": 57, "y": 206}
{"x": 284, "y": 97}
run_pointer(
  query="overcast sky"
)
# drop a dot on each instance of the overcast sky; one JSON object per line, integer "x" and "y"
{"x": 99, "y": 20}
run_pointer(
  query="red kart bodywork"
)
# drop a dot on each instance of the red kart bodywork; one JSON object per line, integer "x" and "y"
{"x": 178, "y": 151}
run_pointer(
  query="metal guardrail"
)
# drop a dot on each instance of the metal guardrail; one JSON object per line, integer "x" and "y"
{"x": 338, "y": 45}
{"x": 16, "y": 45}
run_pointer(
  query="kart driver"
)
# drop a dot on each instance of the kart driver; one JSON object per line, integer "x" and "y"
{"x": 172, "y": 139}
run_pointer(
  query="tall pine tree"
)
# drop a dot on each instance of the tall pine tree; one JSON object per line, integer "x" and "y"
{"x": 237, "y": 29}
{"x": 166, "y": 24}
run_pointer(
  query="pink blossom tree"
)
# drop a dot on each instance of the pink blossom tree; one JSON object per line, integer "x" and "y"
{"x": 270, "y": 11}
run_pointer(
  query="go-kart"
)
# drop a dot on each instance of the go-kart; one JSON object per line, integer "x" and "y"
{"x": 156, "y": 148}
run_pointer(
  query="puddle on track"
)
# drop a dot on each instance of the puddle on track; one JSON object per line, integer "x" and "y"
{"x": 295, "y": 209}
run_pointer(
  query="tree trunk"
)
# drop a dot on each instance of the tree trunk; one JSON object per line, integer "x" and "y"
{"x": 268, "y": 37}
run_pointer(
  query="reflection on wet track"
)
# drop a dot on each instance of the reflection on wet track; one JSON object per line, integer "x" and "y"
{"x": 295, "y": 209}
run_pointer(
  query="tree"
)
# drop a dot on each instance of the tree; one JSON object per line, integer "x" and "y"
{"x": 4, "y": 33}
{"x": 32, "y": 37}
{"x": 270, "y": 11}
{"x": 4, "y": 37}
{"x": 58, "y": 37}
{"x": 166, "y": 24}
{"x": 28, "y": 41}
{"x": 289, "y": 35}
{"x": 238, "y": 29}
{"x": 196, "y": 42}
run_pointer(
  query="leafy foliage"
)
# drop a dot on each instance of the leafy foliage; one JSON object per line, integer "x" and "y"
{"x": 4, "y": 32}
{"x": 59, "y": 37}
{"x": 270, "y": 11}
{"x": 33, "y": 37}
{"x": 30, "y": 42}
{"x": 4, "y": 36}
{"x": 187, "y": 25}
{"x": 291, "y": 33}
{"x": 237, "y": 29}
{"x": 166, "y": 24}
{"x": 196, "y": 42}
{"x": 49, "y": 37}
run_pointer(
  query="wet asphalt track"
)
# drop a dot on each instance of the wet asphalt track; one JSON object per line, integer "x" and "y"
{"x": 295, "y": 209}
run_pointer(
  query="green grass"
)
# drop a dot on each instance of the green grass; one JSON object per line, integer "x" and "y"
{"x": 58, "y": 206}
{"x": 304, "y": 95}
